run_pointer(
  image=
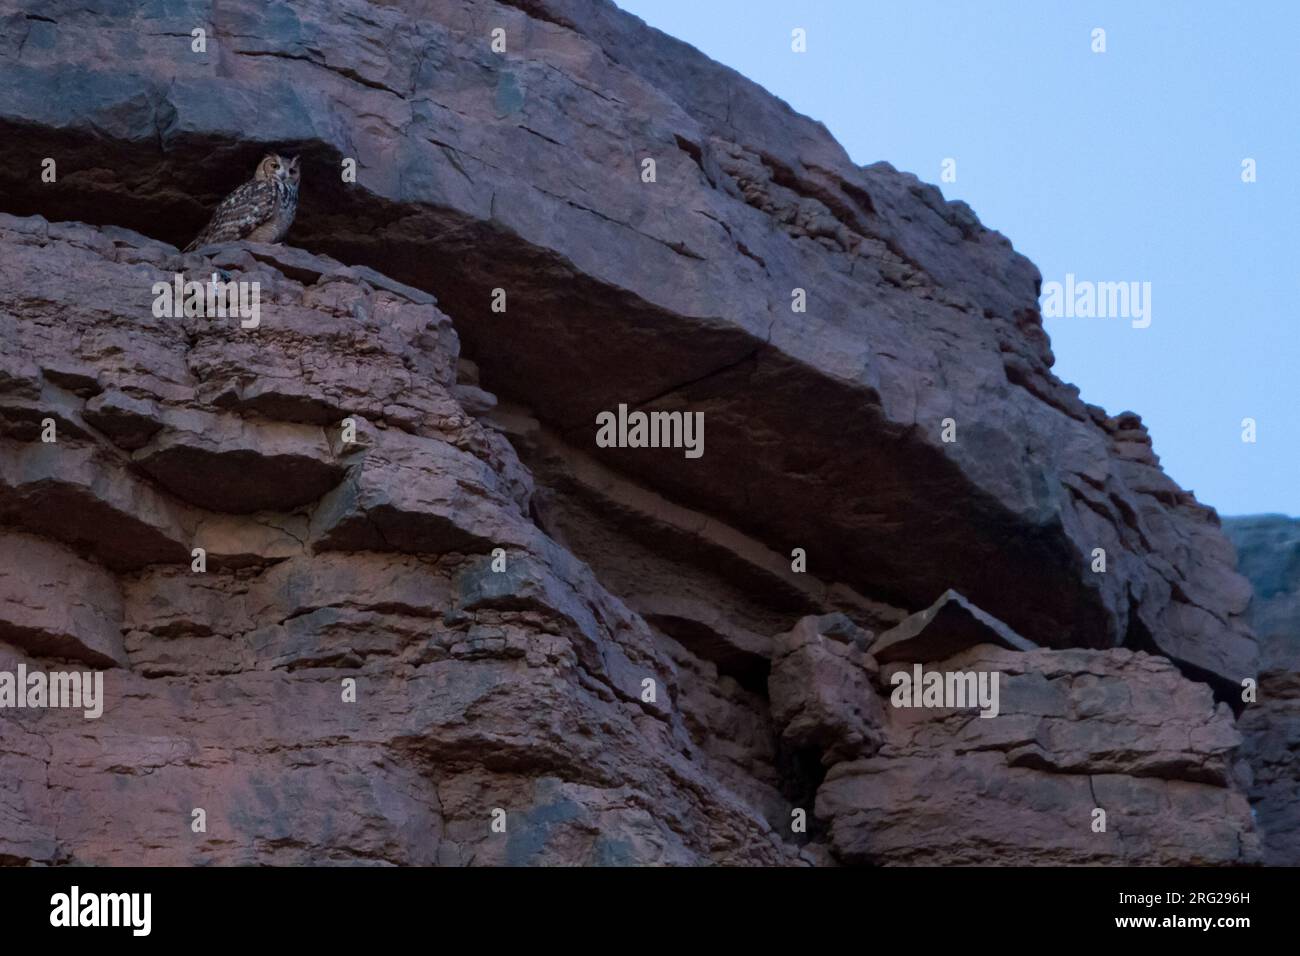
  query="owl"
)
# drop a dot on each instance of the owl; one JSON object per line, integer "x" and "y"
{"x": 261, "y": 210}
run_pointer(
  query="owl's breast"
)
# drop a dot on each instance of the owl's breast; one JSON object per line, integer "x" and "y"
{"x": 281, "y": 218}
{"x": 288, "y": 207}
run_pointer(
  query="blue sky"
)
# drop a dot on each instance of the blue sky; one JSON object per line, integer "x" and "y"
{"x": 1115, "y": 166}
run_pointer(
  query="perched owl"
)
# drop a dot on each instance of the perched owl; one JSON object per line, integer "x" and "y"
{"x": 261, "y": 210}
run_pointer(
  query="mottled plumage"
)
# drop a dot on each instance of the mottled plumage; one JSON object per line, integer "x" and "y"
{"x": 261, "y": 210}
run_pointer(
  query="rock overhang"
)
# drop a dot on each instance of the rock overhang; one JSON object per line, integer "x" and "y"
{"x": 824, "y": 426}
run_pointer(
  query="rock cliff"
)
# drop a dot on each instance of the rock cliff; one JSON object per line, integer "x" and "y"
{"x": 607, "y": 651}
{"x": 1268, "y": 548}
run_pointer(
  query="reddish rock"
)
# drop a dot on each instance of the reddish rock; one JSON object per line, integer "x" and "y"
{"x": 54, "y": 604}
{"x": 1077, "y": 731}
{"x": 637, "y": 657}
{"x": 521, "y": 171}
{"x": 523, "y": 688}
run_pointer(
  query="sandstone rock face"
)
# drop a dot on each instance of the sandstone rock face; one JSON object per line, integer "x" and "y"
{"x": 1268, "y": 553}
{"x": 520, "y": 689}
{"x": 522, "y": 171}
{"x": 1076, "y": 732}
{"x": 57, "y": 604}
{"x": 362, "y": 599}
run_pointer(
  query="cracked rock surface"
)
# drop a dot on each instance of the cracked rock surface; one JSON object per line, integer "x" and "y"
{"x": 521, "y": 171}
{"x": 611, "y": 645}
{"x": 1268, "y": 553}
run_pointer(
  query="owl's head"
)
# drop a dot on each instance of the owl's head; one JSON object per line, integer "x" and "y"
{"x": 275, "y": 166}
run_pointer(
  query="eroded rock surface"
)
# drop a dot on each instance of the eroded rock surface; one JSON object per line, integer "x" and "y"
{"x": 638, "y": 657}
{"x": 1077, "y": 732}
{"x": 522, "y": 171}
{"x": 1268, "y": 553}
{"x": 520, "y": 687}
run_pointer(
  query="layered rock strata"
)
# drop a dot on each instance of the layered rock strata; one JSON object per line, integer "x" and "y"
{"x": 363, "y": 599}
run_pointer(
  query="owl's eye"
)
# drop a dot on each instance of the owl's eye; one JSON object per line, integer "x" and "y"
{"x": 275, "y": 165}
